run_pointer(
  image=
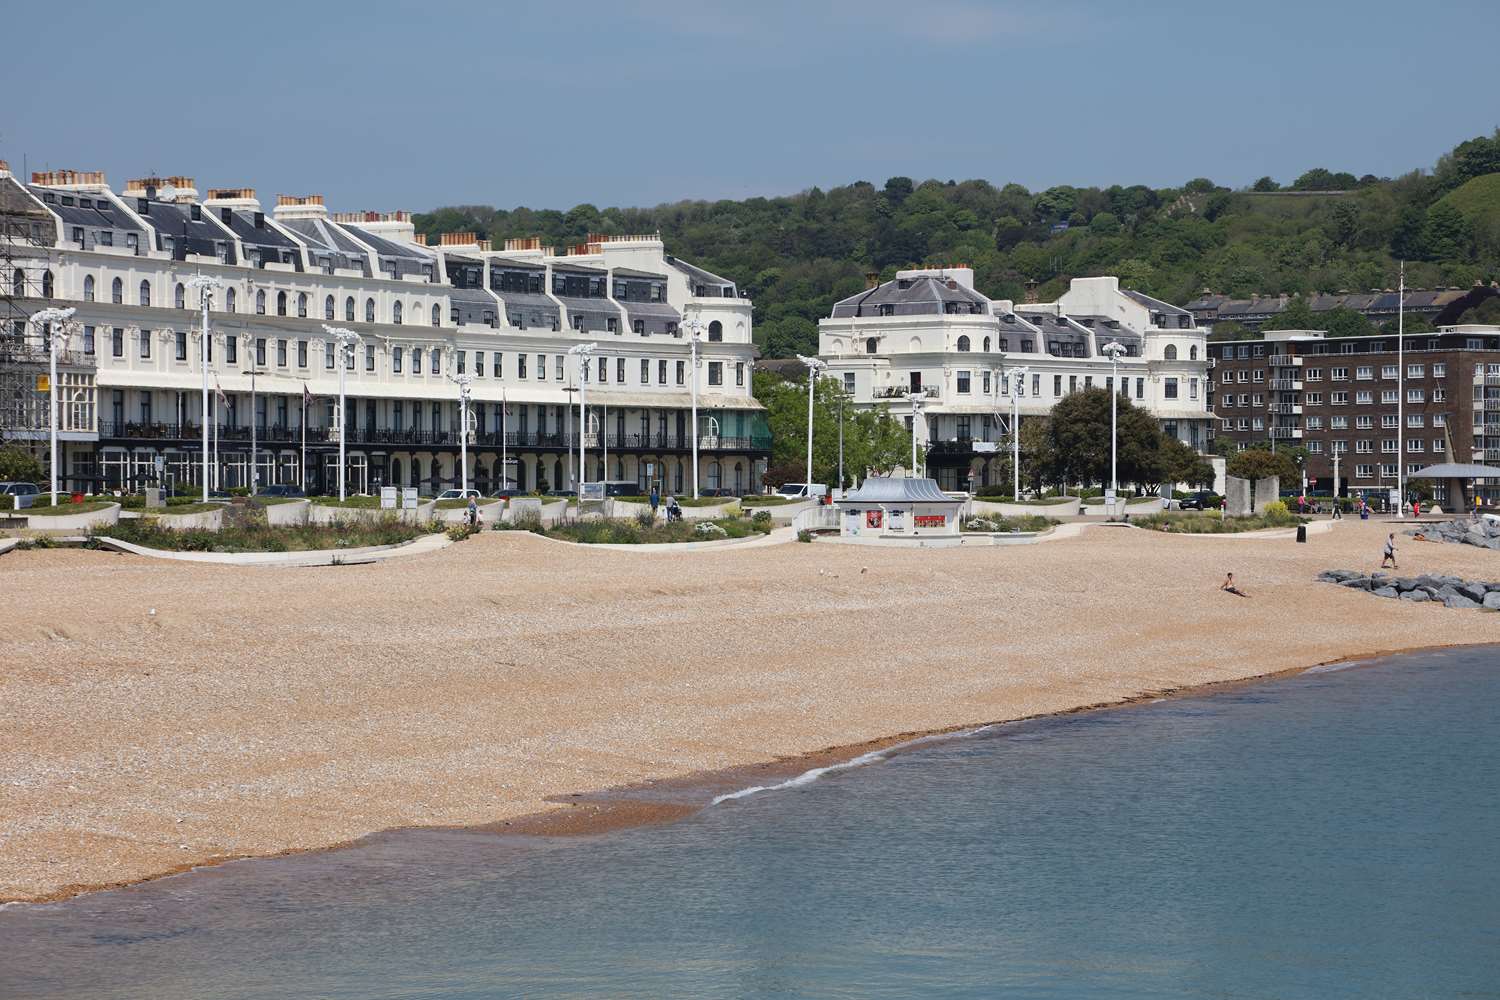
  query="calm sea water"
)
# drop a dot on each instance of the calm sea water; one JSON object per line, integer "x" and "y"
{"x": 1335, "y": 834}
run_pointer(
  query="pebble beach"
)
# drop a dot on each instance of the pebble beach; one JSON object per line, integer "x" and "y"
{"x": 161, "y": 715}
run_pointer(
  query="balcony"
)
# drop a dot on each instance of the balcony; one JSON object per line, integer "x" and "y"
{"x": 901, "y": 392}
{"x": 1286, "y": 408}
{"x": 1286, "y": 385}
{"x": 1284, "y": 361}
{"x": 1286, "y": 433}
{"x": 1492, "y": 405}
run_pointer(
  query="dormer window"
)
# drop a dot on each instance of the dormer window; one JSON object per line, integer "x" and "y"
{"x": 887, "y": 310}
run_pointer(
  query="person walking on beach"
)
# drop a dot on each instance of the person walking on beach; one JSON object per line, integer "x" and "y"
{"x": 1389, "y": 556}
{"x": 1338, "y": 509}
{"x": 473, "y": 512}
{"x": 655, "y": 501}
{"x": 1228, "y": 586}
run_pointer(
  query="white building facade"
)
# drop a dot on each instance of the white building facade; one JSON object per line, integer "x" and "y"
{"x": 971, "y": 361}
{"x": 506, "y": 318}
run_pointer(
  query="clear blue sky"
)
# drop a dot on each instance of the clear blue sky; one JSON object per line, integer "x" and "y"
{"x": 388, "y": 105}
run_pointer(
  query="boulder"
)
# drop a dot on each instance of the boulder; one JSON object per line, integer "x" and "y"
{"x": 1358, "y": 582}
{"x": 1473, "y": 591}
{"x": 1457, "y": 600}
{"x": 1416, "y": 596}
{"x": 1392, "y": 592}
{"x": 1492, "y": 600}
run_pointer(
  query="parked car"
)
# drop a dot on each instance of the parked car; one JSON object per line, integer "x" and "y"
{"x": 717, "y": 493}
{"x": 459, "y": 495}
{"x": 505, "y": 494}
{"x": 561, "y": 493}
{"x": 282, "y": 490}
{"x": 1201, "y": 500}
{"x": 816, "y": 490}
{"x": 18, "y": 489}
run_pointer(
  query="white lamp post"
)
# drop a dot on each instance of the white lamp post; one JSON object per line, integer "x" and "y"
{"x": 254, "y": 443}
{"x": 1401, "y": 396}
{"x": 1114, "y": 349}
{"x": 815, "y": 368}
{"x": 1017, "y": 377}
{"x": 204, "y": 285}
{"x": 346, "y": 339}
{"x": 463, "y": 382}
{"x": 695, "y": 329}
{"x": 57, "y": 337}
{"x": 916, "y": 399}
{"x": 583, "y": 352}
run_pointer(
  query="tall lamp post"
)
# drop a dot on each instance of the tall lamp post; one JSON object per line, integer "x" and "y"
{"x": 346, "y": 339}
{"x": 815, "y": 368}
{"x": 1401, "y": 396}
{"x": 1018, "y": 376}
{"x": 44, "y": 317}
{"x": 463, "y": 382}
{"x": 204, "y": 285}
{"x": 583, "y": 352}
{"x": 254, "y": 450}
{"x": 1114, "y": 349}
{"x": 916, "y": 399}
{"x": 695, "y": 329}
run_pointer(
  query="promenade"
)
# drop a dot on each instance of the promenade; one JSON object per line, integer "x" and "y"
{"x": 163, "y": 714}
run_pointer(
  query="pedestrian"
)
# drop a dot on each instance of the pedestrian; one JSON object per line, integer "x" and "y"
{"x": 1416, "y": 508}
{"x": 1389, "y": 556}
{"x": 655, "y": 500}
{"x": 473, "y": 512}
{"x": 1229, "y": 588}
{"x": 1338, "y": 509}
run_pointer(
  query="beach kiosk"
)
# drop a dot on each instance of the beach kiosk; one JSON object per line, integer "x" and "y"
{"x": 1463, "y": 482}
{"x": 898, "y": 508}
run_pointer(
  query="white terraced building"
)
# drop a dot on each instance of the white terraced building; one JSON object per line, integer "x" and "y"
{"x": 506, "y": 317}
{"x": 929, "y": 334}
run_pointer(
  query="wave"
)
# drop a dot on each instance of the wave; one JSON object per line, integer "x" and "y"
{"x": 871, "y": 757}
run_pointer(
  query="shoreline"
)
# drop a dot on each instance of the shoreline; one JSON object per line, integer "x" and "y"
{"x": 635, "y": 805}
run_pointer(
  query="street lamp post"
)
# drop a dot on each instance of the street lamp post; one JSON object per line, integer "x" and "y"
{"x": 204, "y": 285}
{"x": 54, "y": 338}
{"x": 1401, "y": 396}
{"x": 583, "y": 353}
{"x": 694, "y": 328}
{"x": 815, "y": 368}
{"x": 254, "y": 449}
{"x": 463, "y": 382}
{"x": 346, "y": 339}
{"x": 916, "y": 399}
{"x": 1114, "y": 349}
{"x": 1018, "y": 376}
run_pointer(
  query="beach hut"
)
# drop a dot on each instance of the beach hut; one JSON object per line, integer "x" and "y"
{"x": 898, "y": 508}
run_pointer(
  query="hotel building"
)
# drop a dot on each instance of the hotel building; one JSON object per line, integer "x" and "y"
{"x": 131, "y": 376}
{"x": 929, "y": 334}
{"x": 1342, "y": 399}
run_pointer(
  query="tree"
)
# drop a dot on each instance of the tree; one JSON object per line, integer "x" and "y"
{"x": 874, "y": 441}
{"x": 1344, "y": 322}
{"x": 1297, "y": 315}
{"x": 18, "y": 465}
{"x": 1256, "y": 464}
{"x": 1079, "y": 436}
{"x": 1445, "y": 234}
{"x": 1265, "y": 184}
{"x": 1181, "y": 464}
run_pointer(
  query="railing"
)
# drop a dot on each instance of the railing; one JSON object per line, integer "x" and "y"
{"x": 1490, "y": 404}
{"x": 1286, "y": 408}
{"x": 1284, "y": 360}
{"x": 1285, "y": 384}
{"x": 815, "y": 518}
{"x": 1287, "y": 433}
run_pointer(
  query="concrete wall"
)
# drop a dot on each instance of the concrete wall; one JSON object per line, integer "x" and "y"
{"x": 1069, "y": 508}
{"x": 284, "y": 515}
{"x": 76, "y": 522}
{"x": 1237, "y": 499}
{"x": 213, "y": 520}
{"x": 327, "y": 515}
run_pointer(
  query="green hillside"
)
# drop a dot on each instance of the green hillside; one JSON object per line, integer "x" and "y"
{"x": 797, "y": 254}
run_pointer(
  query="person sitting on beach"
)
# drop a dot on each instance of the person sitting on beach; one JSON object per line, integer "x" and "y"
{"x": 1229, "y": 587}
{"x": 1389, "y": 555}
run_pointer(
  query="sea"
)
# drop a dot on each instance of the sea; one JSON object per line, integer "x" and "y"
{"x": 1330, "y": 834}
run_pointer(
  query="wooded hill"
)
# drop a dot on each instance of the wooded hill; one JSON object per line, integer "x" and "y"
{"x": 1324, "y": 232}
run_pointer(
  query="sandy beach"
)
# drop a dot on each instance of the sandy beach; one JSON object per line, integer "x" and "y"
{"x": 160, "y": 715}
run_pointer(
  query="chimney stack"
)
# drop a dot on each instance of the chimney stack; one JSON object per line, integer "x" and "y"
{"x": 71, "y": 180}
{"x": 305, "y": 206}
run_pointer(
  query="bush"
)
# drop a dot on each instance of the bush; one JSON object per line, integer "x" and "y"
{"x": 530, "y": 522}
{"x": 709, "y": 529}
{"x": 645, "y": 519}
{"x": 1276, "y": 508}
{"x": 1194, "y": 523}
{"x": 459, "y": 532}
{"x": 761, "y": 519}
{"x": 804, "y": 535}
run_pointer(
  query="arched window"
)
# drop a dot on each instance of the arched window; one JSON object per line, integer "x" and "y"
{"x": 369, "y": 310}
{"x": 302, "y": 304}
{"x": 260, "y": 302}
{"x": 396, "y": 472}
{"x": 328, "y": 307}
{"x": 281, "y": 303}
{"x": 986, "y": 345}
{"x": 116, "y": 291}
{"x": 1170, "y": 353}
{"x": 437, "y": 315}
{"x": 396, "y": 314}
{"x": 716, "y": 331}
{"x": 88, "y": 288}
{"x": 349, "y": 309}
{"x": 179, "y": 296}
{"x": 872, "y": 344}
{"x": 963, "y": 344}
{"x": 1193, "y": 353}
{"x": 145, "y": 293}
{"x": 46, "y": 284}
{"x": 557, "y": 475}
{"x": 18, "y": 282}
{"x": 229, "y": 300}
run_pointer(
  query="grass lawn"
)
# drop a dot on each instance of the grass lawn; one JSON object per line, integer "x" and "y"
{"x": 361, "y": 502}
{"x": 769, "y": 501}
{"x": 1212, "y": 524}
{"x": 257, "y": 536}
{"x": 64, "y": 509}
{"x": 457, "y": 504}
{"x": 272, "y": 501}
{"x": 630, "y": 532}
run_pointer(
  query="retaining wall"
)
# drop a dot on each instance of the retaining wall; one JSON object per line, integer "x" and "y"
{"x": 93, "y": 519}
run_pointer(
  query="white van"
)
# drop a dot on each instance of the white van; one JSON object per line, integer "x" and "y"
{"x": 816, "y": 491}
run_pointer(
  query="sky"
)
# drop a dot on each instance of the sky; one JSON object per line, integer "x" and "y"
{"x": 387, "y": 104}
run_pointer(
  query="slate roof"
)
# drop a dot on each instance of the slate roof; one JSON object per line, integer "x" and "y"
{"x": 885, "y": 489}
{"x": 919, "y": 295}
{"x": 1156, "y": 304}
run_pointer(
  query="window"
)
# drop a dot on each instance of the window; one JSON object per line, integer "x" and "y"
{"x": 231, "y": 350}
{"x": 963, "y": 344}
{"x": 1362, "y": 421}
{"x": 1364, "y": 472}
{"x": 281, "y": 303}
{"x": 1387, "y": 396}
{"x": 1387, "y": 371}
{"x": 1388, "y": 471}
{"x": 1416, "y": 371}
{"x": 116, "y": 291}
{"x": 1315, "y": 447}
{"x": 1364, "y": 397}
{"x": 682, "y": 373}
{"x": 1315, "y": 399}
{"x": 638, "y": 326}
{"x": 328, "y": 354}
{"x": 963, "y": 383}
{"x": 520, "y": 366}
{"x": 1416, "y": 420}
{"x": 558, "y": 366}
{"x": 396, "y": 362}
{"x": 145, "y": 343}
{"x": 645, "y": 372}
{"x": 435, "y": 362}
{"x": 369, "y": 357}
{"x": 1388, "y": 420}
{"x": 88, "y": 288}
{"x": 1364, "y": 447}
{"x": 1315, "y": 374}
{"x": 437, "y": 315}
{"x": 1340, "y": 447}
{"x": 1314, "y": 423}
{"x": 1259, "y": 376}
{"x": 1439, "y": 420}
{"x": 1439, "y": 370}
{"x": 1057, "y": 385}
{"x": 620, "y": 370}
{"x": 1243, "y": 376}
{"x": 1364, "y": 372}
{"x": 661, "y": 372}
{"x": 1192, "y": 388}
{"x": 369, "y": 310}
{"x": 117, "y": 342}
{"x": 1169, "y": 388}
{"x": 1388, "y": 445}
{"x": 716, "y": 373}
{"x": 302, "y": 304}
{"x": 281, "y": 353}
{"x": 1340, "y": 374}
{"x": 396, "y": 314}
{"x": 1414, "y": 445}
{"x": 716, "y": 332}
{"x": 77, "y": 231}
{"x": 1416, "y": 395}
{"x": 1439, "y": 394}
{"x": 848, "y": 379}
{"x": 145, "y": 298}
{"x": 349, "y": 309}
{"x": 479, "y": 364}
{"x": 1338, "y": 399}
{"x": 984, "y": 382}
{"x": 1170, "y": 352}
{"x": 88, "y": 340}
{"x": 181, "y": 345}
{"x": 1257, "y": 424}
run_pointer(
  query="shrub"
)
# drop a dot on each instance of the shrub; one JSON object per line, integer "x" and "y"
{"x": 459, "y": 532}
{"x": 529, "y": 522}
{"x": 761, "y": 519}
{"x": 709, "y": 529}
{"x": 1276, "y": 508}
{"x": 804, "y": 535}
{"x": 645, "y": 519}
